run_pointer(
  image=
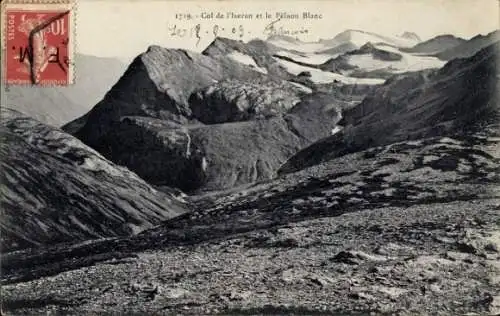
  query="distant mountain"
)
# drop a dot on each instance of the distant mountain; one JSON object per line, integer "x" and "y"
{"x": 460, "y": 98}
{"x": 353, "y": 57}
{"x": 59, "y": 105}
{"x": 470, "y": 47}
{"x": 343, "y": 42}
{"x": 411, "y": 36}
{"x": 359, "y": 38}
{"x": 436, "y": 45}
{"x": 56, "y": 189}
{"x": 379, "y": 61}
{"x": 339, "y": 49}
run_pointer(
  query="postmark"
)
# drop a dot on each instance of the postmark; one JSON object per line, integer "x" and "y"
{"x": 38, "y": 42}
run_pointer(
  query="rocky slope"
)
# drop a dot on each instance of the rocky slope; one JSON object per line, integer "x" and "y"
{"x": 410, "y": 228}
{"x": 422, "y": 104}
{"x": 235, "y": 100}
{"x": 192, "y": 157}
{"x": 58, "y": 105}
{"x": 56, "y": 189}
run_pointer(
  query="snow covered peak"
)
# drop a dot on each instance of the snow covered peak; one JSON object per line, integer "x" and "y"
{"x": 353, "y": 39}
{"x": 285, "y": 38}
{"x": 360, "y": 38}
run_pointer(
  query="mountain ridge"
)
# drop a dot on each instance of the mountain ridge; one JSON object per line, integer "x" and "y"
{"x": 56, "y": 189}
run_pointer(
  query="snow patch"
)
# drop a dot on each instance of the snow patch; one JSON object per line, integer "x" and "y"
{"x": 301, "y": 87}
{"x": 246, "y": 60}
{"x": 408, "y": 62}
{"x": 307, "y": 58}
{"x": 336, "y": 130}
{"x": 299, "y": 46}
{"x": 204, "y": 164}
{"x": 319, "y": 76}
{"x": 448, "y": 140}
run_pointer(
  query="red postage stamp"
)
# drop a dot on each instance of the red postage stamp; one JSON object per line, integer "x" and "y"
{"x": 38, "y": 42}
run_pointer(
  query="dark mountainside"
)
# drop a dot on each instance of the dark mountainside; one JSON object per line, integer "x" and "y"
{"x": 414, "y": 106}
{"x": 470, "y": 47}
{"x": 59, "y": 105}
{"x": 397, "y": 213}
{"x": 56, "y": 189}
{"x": 436, "y": 45}
{"x": 225, "y": 124}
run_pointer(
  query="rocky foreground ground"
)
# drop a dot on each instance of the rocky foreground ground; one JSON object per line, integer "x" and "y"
{"x": 406, "y": 229}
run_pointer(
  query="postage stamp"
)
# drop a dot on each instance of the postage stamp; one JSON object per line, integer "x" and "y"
{"x": 38, "y": 42}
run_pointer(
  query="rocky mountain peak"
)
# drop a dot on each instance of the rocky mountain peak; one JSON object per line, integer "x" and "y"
{"x": 222, "y": 43}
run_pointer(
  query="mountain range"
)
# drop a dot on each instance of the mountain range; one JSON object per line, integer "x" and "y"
{"x": 351, "y": 175}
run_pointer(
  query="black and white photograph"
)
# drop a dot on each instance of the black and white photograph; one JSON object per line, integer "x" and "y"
{"x": 290, "y": 157}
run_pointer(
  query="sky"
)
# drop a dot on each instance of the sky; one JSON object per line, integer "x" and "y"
{"x": 125, "y": 28}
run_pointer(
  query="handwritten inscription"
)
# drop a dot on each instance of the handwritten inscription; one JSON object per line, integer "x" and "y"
{"x": 200, "y": 29}
{"x": 274, "y": 29}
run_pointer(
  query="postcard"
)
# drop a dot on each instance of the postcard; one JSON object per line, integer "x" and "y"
{"x": 289, "y": 157}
